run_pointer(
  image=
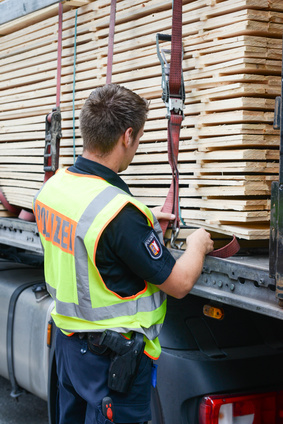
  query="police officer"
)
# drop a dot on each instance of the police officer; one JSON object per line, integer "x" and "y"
{"x": 106, "y": 268}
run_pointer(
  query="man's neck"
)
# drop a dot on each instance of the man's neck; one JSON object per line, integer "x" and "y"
{"x": 104, "y": 159}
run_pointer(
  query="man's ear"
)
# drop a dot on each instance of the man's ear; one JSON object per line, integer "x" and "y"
{"x": 128, "y": 137}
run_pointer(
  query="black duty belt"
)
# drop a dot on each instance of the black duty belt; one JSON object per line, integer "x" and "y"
{"x": 93, "y": 342}
{"x": 125, "y": 356}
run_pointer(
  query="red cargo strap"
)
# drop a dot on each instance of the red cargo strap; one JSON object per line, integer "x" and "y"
{"x": 15, "y": 210}
{"x": 226, "y": 251}
{"x": 49, "y": 174}
{"x": 59, "y": 54}
{"x": 175, "y": 77}
{"x": 171, "y": 204}
{"x": 175, "y": 119}
{"x": 111, "y": 42}
{"x": 26, "y": 216}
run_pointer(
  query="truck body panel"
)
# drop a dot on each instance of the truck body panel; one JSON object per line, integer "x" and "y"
{"x": 241, "y": 281}
{"x": 13, "y": 9}
{"x": 241, "y": 353}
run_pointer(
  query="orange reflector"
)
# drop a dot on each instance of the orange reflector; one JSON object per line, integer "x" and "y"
{"x": 49, "y": 333}
{"x": 213, "y": 312}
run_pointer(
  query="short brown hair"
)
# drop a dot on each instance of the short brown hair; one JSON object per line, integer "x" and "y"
{"x": 107, "y": 113}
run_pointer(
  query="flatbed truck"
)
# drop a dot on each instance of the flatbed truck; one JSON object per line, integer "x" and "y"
{"x": 222, "y": 345}
{"x": 224, "y": 338}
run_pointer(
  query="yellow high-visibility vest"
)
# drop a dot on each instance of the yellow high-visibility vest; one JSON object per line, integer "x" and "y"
{"x": 70, "y": 224}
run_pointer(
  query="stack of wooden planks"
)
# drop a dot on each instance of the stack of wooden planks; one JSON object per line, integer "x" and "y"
{"x": 28, "y": 71}
{"x": 228, "y": 148}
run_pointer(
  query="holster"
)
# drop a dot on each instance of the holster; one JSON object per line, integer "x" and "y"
{"x": 93, "y": 342}
{"x": 125, "y": 359}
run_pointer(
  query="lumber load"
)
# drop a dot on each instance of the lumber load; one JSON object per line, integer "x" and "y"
{"x": 229, "y": 151}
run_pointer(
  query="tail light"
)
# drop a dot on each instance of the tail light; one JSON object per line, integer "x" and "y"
{"x": 261, "y": 408}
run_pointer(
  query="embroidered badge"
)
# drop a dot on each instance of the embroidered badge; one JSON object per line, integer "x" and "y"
{"x": 153, "y": 246}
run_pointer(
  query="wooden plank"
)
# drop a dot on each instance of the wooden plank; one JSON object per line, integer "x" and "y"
{"x": 29, "y": 40}
{"x": 205, "y": 168}
{"x": 229, "y": 204}
{"x": 29, "y": 65}
{"x": 236, "y": 66}
{"x": 40, "y": 111}
{"x": 252, "y": 189}
{"x": 77, "y": 3}
{"x": 226, "y": 216}
{"x": 218, "y": 155}
{"x": 30, "y": 152}
{"x": 27, "y": 90}
{"x": 232, "y": 89}
{"x": 23, "y": 184}
{"x": 235, "y": 116}
{"x": 16, "y": 159}
{"x": 192, "y": 181}
{"x": 272, "y": 45}
{"x": 215, "y": 81}
{"x": 27, "y": 96}
{"x": 248, "y": 231}
{"x": 21, "y": 176}
{"x": 235, "y": 141}
{"x": 28, "y": 78}
{"x": 232, "y": 204}
{"x": 238, "y": 128}
{"x": 5, "y": 214}
{"x": 29, "y": 103}
{"x": 233, "y": 103}
{"x": 36, "y": 136}
{"x": 241, "y": 167}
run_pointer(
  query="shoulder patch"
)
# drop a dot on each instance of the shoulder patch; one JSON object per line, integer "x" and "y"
{"x": 153, "y": 246}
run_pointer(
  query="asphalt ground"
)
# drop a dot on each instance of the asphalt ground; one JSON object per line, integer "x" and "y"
{"x": 28, "y": 409}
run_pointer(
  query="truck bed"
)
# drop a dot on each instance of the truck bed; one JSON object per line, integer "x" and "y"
{"x": 241, "y": 281}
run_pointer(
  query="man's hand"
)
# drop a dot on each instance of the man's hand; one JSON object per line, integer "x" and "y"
{"x": 162, "y": 215}
{"x": 201, "y": 241}
{"x": 188, "y": 267}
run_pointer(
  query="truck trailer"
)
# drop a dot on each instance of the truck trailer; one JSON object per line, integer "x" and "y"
{"x": 222, "y": 345}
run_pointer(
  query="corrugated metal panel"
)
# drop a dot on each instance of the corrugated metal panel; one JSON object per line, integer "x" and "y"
{"x": 13, "y": 9}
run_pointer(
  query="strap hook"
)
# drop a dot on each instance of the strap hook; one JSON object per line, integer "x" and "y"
{"x": 174, "y": 236}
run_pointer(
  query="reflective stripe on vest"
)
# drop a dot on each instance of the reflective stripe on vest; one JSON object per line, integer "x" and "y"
{"x": 143, "y": 312}
{"x": 148, "y": 304}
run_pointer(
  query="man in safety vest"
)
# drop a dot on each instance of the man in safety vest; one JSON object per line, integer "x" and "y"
{"x": 107, "y": 270}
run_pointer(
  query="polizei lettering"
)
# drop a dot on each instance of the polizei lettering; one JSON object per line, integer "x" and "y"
{"x": 55, "y": 227}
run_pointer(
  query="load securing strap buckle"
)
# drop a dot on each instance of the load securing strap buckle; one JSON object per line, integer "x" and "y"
{"x": 52, "y": 140}
{"x": 174, "y": 102}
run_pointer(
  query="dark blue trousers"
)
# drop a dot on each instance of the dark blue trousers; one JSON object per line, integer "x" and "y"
{"x": 82, "y": 377}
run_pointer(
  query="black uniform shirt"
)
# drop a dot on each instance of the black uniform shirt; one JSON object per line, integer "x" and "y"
{"x": 128, "y": 251}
